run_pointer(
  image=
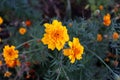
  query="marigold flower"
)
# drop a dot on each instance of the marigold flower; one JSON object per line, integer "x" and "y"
{"x": 13, "y": 63}
{"x": 115, "y": 35}
{"x": 22, "y": 31}
{"x": 99, "y": 37}
{"x": 28, "y": 23}
{"x": 75, "y": 51}
{"x": 107, "y": 20}
{"x": 56, "y": 35}
{"x": 7, "y": 74}
{"x": 0, "y": 63}
{"x": 101, "y": 7}
{"x": 10, "y": 63}
{"x": 9, "y": 52}
{"x": 1, "y": 20}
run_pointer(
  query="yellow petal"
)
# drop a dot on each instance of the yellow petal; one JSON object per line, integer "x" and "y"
{"x": 72, "y": 60}
{"x": 76, "y": 41}
{"x": 46, "y": 24}
{"x": 51, "y": 46}
{"x": 78, "y": 56}
{"x": 70, "y": 44}
{"x": 56, "y": 22}
{"x": 66, "y": 52}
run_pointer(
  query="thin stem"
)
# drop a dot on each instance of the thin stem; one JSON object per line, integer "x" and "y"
{"x": 116, "y": 54}
{"x": 25, "y": 42}
{"x": 100, "y": 59}
{"x": 59, "y": 72}
{"x": 65, "y": 74}
{"x": 31, "y": 50}
{"x": 80, "y": 74}
{"x": 61, "y": 66}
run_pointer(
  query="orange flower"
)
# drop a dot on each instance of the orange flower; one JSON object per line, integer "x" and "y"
{"x": 99, "y": 37}
{"x": 9, "y": 53}
{"x": 12, "y": 63}
{"x": 0, "y": 63}
{"x": 7, "y": 74}
{"x": 107, "y": 20}
{"x": 1, "y": 20}
{"x": 115, "y": 35}
{"x": 28, "y": 23}
{"x": 75, "y": 51}
{"x": 22, "y": 31}
{"x": 101, "y": 7}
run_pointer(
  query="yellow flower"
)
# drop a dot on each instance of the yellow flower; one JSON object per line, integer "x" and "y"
{"x": 56, "y": 35}
{"x": 101, "y": 7}
{"x": 75, "y": 51}
{"x": 7, "y": 74}
{"x": 107, "y": 20}
{"x": 115, "y": 35}
{"x": 1, "y": 20}
{"x": 9, "y": 53}
{"x": 22, "y": 31}
{"x": 99, "y": 37}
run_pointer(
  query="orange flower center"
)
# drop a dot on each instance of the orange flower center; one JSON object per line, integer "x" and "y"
{"x": 75, "y": 50}
{"x": 56, "y": 35}
{"x": 10, "y": 52}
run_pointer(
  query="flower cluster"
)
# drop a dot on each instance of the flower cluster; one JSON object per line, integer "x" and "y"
{"x": 56, "y": 36}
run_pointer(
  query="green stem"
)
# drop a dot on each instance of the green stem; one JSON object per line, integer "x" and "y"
{"x": 100, "y": 60}
{"x": 59, "y": 72}
{"x": 65, "y": 73}
{"x": 31, "y": 50}
{"x": 25, "y": 42}
{"x": 80, "y": 74}
{"x": 61, "y": 58}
